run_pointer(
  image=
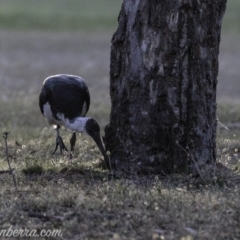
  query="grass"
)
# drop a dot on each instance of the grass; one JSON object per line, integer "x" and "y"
{"x": 59, "y": 15}
{"x": 78, "y": 196}
{"x": 232, "y": 18}
{"x": 62, "y": 15}
{"x": 84, "y": 204}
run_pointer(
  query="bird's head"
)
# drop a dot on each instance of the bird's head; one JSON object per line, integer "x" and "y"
{"x": 92, "y": 127}
{"x": 93, "y": 130}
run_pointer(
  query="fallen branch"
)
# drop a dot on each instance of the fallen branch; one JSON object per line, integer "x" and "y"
{"x": 6, "y": 171}
{"x": 45, "y": 217}
{"x": 42, "y": 216}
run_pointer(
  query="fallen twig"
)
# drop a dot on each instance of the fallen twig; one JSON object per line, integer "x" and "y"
{"x": 42, "y": 216}
{"x": 221, "y": 124}
{"x": 6, "y": 171}
{"x": 45, "y": 217}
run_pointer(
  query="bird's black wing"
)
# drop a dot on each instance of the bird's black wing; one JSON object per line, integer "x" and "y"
{"x": 42, "y": 99}
{"x": 66, "y": 94}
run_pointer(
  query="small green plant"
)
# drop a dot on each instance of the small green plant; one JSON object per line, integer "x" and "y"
{"x": 34, "y": 169}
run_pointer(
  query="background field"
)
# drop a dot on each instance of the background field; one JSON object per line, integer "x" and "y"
{"x": 42, "y": 38}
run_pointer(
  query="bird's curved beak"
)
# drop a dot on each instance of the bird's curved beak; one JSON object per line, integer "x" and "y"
{"x": 97, "y": 138}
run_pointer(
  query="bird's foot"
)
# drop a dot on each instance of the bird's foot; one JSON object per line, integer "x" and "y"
{"x": 60, "y": 144}
{"x": 70, "y": 156}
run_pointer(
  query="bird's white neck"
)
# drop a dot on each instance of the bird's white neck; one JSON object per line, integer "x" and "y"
{"x": 78, "y": 125}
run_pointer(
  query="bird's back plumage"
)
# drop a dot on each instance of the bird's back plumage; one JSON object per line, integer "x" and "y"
{"x": 67, "y": 95}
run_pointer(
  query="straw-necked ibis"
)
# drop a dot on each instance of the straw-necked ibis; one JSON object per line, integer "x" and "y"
{"x": 64, "y": 101}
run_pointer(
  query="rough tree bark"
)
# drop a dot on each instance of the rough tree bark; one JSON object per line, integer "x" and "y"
{"x": 163, "y": 78}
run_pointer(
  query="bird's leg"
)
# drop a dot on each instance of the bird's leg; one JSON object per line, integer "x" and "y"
{"x": 73, "y": 141}
{"x": 59, "y": 142}
{"x": 72, "y": 144}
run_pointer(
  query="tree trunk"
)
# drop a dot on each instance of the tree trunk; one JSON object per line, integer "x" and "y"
{"x": 163, "y": 78}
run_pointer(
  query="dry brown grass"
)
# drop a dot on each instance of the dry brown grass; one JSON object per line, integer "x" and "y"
{"x": 85, "y": 205}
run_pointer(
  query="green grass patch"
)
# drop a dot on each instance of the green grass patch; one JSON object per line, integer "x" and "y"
{"x": 228, "y": 112}
{"x": 62, "y": 15}
{"x": 232, "y": 17}
{"x": 35, "y": 169}
{"x": 59, "y": 15}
